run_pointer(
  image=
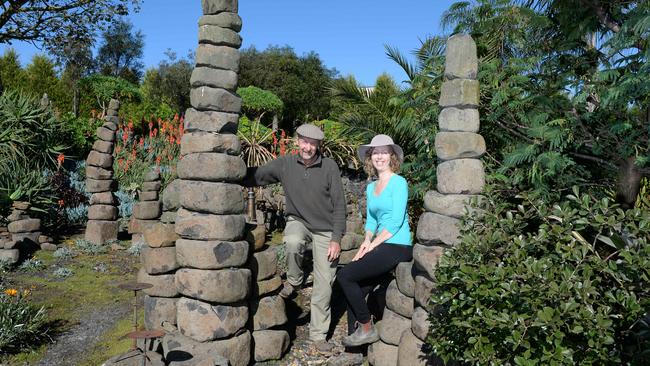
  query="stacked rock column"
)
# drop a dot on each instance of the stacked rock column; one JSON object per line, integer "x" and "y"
{"x": 148, "y": 209}
{"x": 461, "y": 178}
{"x": 268, "y": 311}
{"x": 212, "y": 312}
{"x": 24, "y": 233}
{"x": 102, "y": 214}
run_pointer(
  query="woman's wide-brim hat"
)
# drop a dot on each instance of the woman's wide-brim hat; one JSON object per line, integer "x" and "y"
{"x": 381, "y": 140}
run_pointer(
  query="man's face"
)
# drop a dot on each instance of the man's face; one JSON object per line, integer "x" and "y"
{"x": 307, "y": 148}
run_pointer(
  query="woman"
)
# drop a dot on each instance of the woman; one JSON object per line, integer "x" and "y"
{"x": 387, "y": 239}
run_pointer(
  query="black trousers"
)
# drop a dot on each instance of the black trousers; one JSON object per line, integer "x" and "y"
{"x": 358, "y": 278}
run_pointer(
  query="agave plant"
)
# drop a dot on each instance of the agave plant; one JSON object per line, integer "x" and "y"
{"x": 256, "y": 140}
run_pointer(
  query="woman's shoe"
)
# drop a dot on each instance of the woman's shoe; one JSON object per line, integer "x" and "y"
{"x": 360, "y": 337}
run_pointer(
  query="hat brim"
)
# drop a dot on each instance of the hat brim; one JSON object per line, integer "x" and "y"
{"x": 363, "y": 150}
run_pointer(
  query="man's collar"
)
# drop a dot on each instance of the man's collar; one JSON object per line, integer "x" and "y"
{"x": 316, "y": 161}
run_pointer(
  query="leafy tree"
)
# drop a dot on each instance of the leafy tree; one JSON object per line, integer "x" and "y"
{"x": 120, "y": 52}
{"x": 299, "y": 81}
{"x": 41, "y": 78}
{"x": 103, "y": 88}
{"x": 50, "y": 22}
{"x": 257, "y": 102}
{"x": 169, "y": 83}
{"x": 76, "y": 58}
{"x": 10, "y": 70}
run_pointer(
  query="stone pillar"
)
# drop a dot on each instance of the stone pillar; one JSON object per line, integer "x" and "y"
{"x": 102, "y": 213}
{"x": 148, "y": 209}
{"x": 24, "y": 233}
{"x": 461, "y": 178}
{"x": 212, "y": 311}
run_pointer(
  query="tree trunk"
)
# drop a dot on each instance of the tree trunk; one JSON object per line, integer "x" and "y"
{"x": 275, "y": 123}
{"x": 629, "y": 182}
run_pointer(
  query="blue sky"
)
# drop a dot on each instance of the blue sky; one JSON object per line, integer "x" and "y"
{"x": 348, "y": 35}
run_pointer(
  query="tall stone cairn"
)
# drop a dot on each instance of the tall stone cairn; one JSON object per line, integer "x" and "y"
{"x": 102, "y": 214}
{"x": 24, "y": 233}
{"x": 148, "y": 209}
{"x": 354, "y": 229}
{"x": 461, "y": 178}
{"x": 212, "y": 312}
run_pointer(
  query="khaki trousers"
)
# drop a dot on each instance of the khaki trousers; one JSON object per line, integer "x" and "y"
{"x": 298, "y": 239}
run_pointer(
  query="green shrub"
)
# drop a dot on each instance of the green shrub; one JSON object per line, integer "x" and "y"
{"x": 22, "y": 325}
{"x": 31, "y": 265}
{"x": 63, "y": 272}
{"x": 540, "y": 284}
{"x": 90, "y": 248}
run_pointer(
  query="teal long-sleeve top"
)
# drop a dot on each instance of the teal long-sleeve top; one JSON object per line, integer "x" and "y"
{"x": 388, "y": 210}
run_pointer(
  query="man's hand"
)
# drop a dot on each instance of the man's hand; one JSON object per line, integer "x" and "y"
{"x": 333, "y": 251}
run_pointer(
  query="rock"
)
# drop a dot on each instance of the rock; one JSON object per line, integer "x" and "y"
{"x": 268, "y": 312}
{"x": 171, "y": 196}
{"x": 103, "y": 198}
{"x": 391, "y": 327}
{"x": 423, "y": 289}
{"x": 100, "y": 231}
{"x": 456, "y": 119}
{"x": 255, "y": 235}
{"x": 382, "y": 354}
{"x": 151, "y": 186}
{"x": 404, "y": 278}
{"x": 137, "y": 226}
{"x": 346, "y": 256}
{"x": 218, "y": 6}
{"x": 194, "y": 225}
{"x": 111, "y": 122}
{"x": 225, "y": 20}
{"x": 351, "y": 241}
{"x": 48, "y": 247}
{"x": 264, "y": 264}
{"x": 222, "y": 286}
{"x": 148, "y": 196}
{"x": 434, "y": 228}
{"x": 100, "y": 160}
{"x": 218, "y": 36}
{"x": 426, "y": 258}
{"x": 98, "y": 173}
{"x": 214, "y": 254}
{"x": 147, "y": 210}
{"x": 214, "y": 99}
{"x": 212, "y": 197}
{"x": 420, "y": 323}
{"x": 98, "y": 186}
{"x": 9, "y": 255}
{"x": 17, "y": 215}
{"x": 205, "y": 322}
{"x": 159, "y": 260}
{"x": 160, "y": 235}
{"x": 265, "y": 287}
{"x": 198, "y": 142}
{"x": 460, "y": 57}
{"x": 158, "y": 310}
{"x": 354, "y": 226}
{"x": 25, "y": 226}
{"x": 270, "y": 344}
{"x": 102, "y": 212}
{"x": 459, "y": 145}
{"x": 412, "y": 352}
{"x": 461, "y": 176}
{"x": 180, "y": 350}
{"x": 153, "y": 175}
{"x": 113, "y": 105}
{"x": 105, "y": 134}
{"x": 136, "y": 358}
{"x": 211, "y": 167}
{"x": 163, "y": 285}
{"x": 459, "y": 93}
{"x": 453, "y": 205}
{"x": 168, "y": 217}
{"x": 28, "y": 238}
{"x": 210, "y": 121}
{"x": 398, "y": 302}
{"x": 217, "y": 57}
{"x": 103, "y": 146}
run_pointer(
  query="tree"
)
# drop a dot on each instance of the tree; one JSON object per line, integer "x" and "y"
{"x": 50, "y": 22}
{"x": 10, "y": 70}
{"x": 41, "y": 78}
{"x": 169, "y": 83}
{"x": 103, "y": 88}
{"x": 121, "y": 50}
{"x": 300, "y": 82}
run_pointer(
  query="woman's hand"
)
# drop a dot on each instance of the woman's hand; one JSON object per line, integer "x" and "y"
{"x": 365, "y": 247}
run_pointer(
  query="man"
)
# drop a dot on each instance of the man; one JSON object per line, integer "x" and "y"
{"x": 315, "y": 209}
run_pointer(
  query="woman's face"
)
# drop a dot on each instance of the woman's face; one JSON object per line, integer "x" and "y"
{"x": 380, "y": 158}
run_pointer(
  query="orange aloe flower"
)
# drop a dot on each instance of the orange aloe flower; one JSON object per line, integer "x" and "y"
{"x": 61, "y": 203}
{"x": 60, "y": 159}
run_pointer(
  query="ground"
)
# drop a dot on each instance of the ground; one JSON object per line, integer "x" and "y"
{"x": 89, "y": 314}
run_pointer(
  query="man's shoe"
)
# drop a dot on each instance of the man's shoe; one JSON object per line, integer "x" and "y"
{"x": 361, "y": 337}
{"x": 323, "y": 346}
{"x": 346, "y": 359}
{"x": 287, "y": 290}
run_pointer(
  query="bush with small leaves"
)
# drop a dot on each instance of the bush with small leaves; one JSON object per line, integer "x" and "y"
{"x": 90, "y": 248}
{"x": 534, "y": 283}
{"x": 63, "y": 272}
{"x": 5, "y": 265}
{"x": 31, "y": 265}
{"x": 135, "y": 249}
{"x": 64, "y": 253}
{"x": 22, "y": 325}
